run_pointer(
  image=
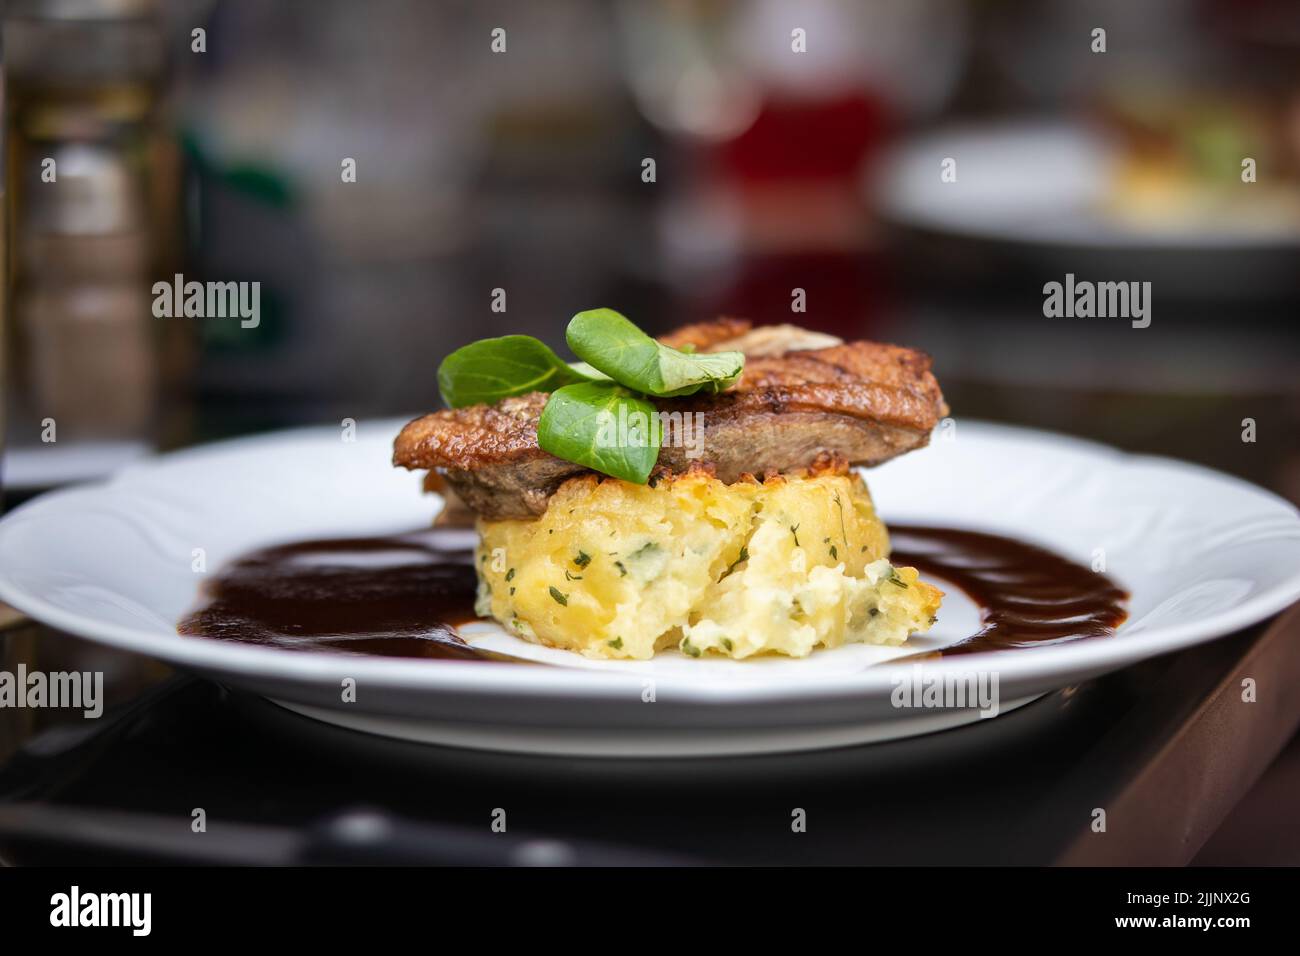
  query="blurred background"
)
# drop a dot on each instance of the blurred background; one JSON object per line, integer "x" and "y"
{"x": 794, "y": 147}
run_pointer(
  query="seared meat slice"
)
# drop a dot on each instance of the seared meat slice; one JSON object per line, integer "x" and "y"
{"x": 489, "y": 455}
{"x": 863, "y": 402}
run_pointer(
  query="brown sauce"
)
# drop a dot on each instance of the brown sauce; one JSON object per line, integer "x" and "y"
{"x": 404, "y": 595}
{"x": 1027, "y": 596}
{"x": 398, "y": 596}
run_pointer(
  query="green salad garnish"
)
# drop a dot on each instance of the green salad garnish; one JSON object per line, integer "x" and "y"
{"x": 600, "y": 414}
{"x": 489, "y": 370}
{"x": 610, "y": 343}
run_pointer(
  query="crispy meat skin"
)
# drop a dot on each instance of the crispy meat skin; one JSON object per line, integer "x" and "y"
{"x": 706, "y": 336}
{"x": 863, "y": 401}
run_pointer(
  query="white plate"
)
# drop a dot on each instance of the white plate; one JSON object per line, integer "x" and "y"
{"x": 1201, "y": 553}
{"x": 1041, "y": 191}
{"x": 1043, "y": 182}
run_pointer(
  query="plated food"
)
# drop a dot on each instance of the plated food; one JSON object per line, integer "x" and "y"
{"x": 697, "y": 497}
{"x": 694, "y": 492}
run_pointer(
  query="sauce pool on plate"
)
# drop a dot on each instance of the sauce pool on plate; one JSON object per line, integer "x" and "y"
{"x": 404, "y": 595}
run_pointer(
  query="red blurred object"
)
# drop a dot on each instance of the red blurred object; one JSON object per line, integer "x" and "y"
{"x": 846, "y": 292}
{"x": 796, "y": 172}
{"x": 807, "y": 139}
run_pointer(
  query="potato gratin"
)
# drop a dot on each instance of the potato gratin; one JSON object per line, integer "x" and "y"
{"x": 614, "y": 569}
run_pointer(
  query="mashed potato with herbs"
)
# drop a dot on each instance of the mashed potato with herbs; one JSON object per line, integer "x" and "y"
{"x": 619, "y": 570}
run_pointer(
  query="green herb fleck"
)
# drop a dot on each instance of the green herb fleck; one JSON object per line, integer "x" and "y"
{"x": 583, "y": 559}
{"x": 622, "y": 571}
{"x": 560, "y": 596}
{"x": 726, "y": 642}
{"x": 616, "y": 643}
{"x": 571, "y": 577}
{"x": 510, "y": 575}
{"x": 895, "y": 579}
{"x": 740, "y": 559}
{"x": 689, "y": 648}
{"x": 843, "y": 531}
{"x": 794, "y": 530}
